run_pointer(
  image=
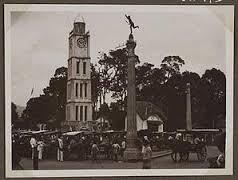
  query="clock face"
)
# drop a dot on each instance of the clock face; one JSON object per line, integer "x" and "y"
{"x": 81, "y": 42}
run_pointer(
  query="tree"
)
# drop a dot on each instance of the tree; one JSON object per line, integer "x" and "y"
{"x": 214, "y": 96}
{"x": 207, "y": 99}
{"x": 114, "y": 65}
{"x": 58, "y": 89}
{"x": 15, "y": 117}
{"x": 96, "y": 87}
{"x": 105, "y": 74}
{"x": 176, "y": 101}
{"x": 171, "y": 65}
{"x": 143, "y": 75}
{"x": 104, "y": 111}
{"x": 39, "y": 110}
{"x": 117, "y": 117}
{"x": 48, "y": 108}
{"x": 150, "y": 84}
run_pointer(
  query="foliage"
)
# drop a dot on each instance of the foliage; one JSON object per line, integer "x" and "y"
{"x": 117, "y": 117}
{"x": 15, "y": 117}
{"x": 96, "y": 87}
{"x": 171, "y": 65}
{"x": 48, "y": 108}
{"x": 214, "y": 96}
{"x": 104, "y": 111}
{"x": 114, "y": 73}
{"x": 165, "y": 86}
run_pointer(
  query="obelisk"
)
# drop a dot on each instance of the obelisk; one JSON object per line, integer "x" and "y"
{"x": 131, "y": 152}
{"x": 188, "y": 109}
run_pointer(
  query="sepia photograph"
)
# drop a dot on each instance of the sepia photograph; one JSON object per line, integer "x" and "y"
{"x": 118, "y": 90}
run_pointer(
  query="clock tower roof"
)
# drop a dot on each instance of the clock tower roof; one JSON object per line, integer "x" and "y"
{"x": 79, "y": 19}
{"x": 79, "y": 26}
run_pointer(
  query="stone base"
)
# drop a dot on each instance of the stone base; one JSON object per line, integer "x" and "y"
{"x": 132, "y": 154}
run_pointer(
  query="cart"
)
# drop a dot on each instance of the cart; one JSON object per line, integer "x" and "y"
{"x": 183, "y": 147}
{"x": 182, "y": 150}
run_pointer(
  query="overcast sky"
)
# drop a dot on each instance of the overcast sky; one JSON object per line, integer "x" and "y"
{"x": 39, "y": 40}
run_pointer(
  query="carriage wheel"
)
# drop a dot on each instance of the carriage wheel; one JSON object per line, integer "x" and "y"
{"x": 175, "y": 156}
{"x": 202, "y": 154}
{"x": 185, "y": 156}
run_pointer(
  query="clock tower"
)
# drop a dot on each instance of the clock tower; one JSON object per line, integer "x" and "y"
{"x": 79, "y": 104}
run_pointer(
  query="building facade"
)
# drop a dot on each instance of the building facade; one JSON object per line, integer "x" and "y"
{"x": 148, "y": 117}
{"x": 79, "y": 104}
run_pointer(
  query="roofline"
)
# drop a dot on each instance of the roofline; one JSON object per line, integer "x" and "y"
{"x": 161, "y": 114}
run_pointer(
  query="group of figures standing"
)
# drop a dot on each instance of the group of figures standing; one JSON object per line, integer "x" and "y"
{"x": 77, "y": 148}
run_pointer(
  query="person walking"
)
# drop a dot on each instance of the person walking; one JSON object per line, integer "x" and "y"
{"x": 33, "y": 144}
{"x": 35, "y": 159}
{"x": 220, "y": 143}
{"x": 115, "y": 151}
{"x": 16, "y": 157}
{"x": 94, "y": 151}
{"x": 123, "y": 147}
{"x": 60, "y": 149}
{"x": 147, "y": 155}
{"x": 40, "y": 148}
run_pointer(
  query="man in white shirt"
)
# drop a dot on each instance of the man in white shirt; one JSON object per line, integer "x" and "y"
{"x": 40, "y": 148}
{"x": 123, "y": 147}
{"x": 60, "y": 149}
{"x": 33, "y": 143}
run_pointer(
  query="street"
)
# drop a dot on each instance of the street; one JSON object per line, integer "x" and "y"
{"x": 164, "y": 162}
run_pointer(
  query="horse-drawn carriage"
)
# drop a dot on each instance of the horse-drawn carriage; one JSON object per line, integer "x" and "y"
{"x": 75, "y": 145}
{"x": 182, "y": 149}
{"x": 187, "y": 142}
{"x": 78, "y": 144}
{"x": 193, "y": 141}
{"x": 108, "y": 138}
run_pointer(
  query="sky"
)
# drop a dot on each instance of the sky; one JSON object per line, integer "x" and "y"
{"x": 39, "y": 39}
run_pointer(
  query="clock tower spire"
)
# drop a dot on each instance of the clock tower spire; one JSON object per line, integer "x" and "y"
{"x": 79, "y": 104}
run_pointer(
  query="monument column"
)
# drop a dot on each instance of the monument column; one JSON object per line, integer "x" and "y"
{"x": 131, "y": 152}
{"x": 188, "y": 109}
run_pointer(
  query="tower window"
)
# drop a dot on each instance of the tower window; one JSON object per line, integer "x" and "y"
{"x": 85, "y": 113}
{"x": 85, "y": 89}
{"x": 69, "y": 90}
{"x": 76, "y": 113}
{"x": 77, "y": 67}
{"x": 68, "y": 113}
{"x": 84, "y": 67}
{"x": 76, "y": 90}
{"x": 70, "y": 68}
{"x": 81, "y": 90}
{"x": 81, "y": 113}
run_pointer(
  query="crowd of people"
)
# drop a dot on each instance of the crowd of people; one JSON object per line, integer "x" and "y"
{"x": 94, "y": 147}
{"x": 71, "y": 147}
{"x": 82, "y": 147}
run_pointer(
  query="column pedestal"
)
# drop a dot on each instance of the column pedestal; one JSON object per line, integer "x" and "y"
{"x": 132, "y": 154}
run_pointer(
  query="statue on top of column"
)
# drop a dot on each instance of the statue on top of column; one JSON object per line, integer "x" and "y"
{"x": 131, "y": 23}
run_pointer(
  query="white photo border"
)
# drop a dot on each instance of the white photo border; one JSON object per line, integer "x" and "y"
{"x": 228, "y": 170}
